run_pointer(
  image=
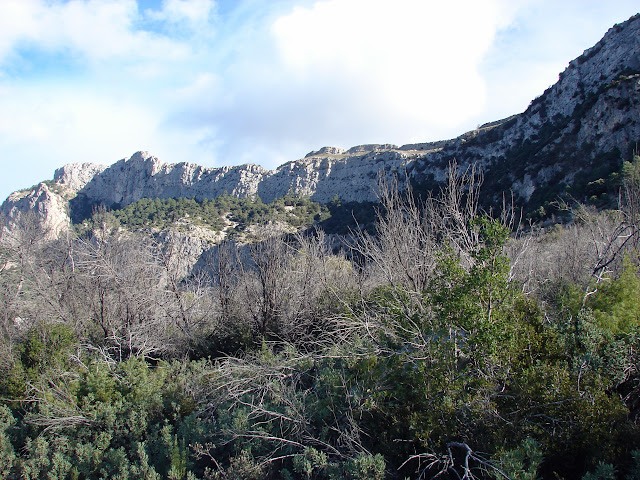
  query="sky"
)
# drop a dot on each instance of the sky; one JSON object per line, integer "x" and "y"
{"x": 227, "y": 82}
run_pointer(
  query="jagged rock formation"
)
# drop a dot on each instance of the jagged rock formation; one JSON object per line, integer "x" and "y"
{"x": 325, "y": 151}
{"x": 43, "y": 208}
{"x": 145, "y": 176}
{"x": 584, "y": 125}
{"x": 76, "y": 175}
{"x": 321, "y": 175}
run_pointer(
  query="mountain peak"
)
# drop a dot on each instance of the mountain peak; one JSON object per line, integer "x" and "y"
{"x": 325, "y": 151}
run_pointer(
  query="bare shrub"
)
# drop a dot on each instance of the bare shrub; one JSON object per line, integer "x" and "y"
{"x": 279, "y": 288}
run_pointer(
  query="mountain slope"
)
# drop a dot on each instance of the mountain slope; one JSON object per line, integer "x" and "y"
{"x": 585, "y": 125}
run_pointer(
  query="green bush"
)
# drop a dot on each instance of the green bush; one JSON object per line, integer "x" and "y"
{"x": 7, "y": 453}
{"x": 131, "y": 421}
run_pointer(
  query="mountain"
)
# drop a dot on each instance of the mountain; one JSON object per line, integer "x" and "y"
{"x": 571, "y": 139}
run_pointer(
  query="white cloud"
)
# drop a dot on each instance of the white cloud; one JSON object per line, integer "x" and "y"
{"x": 192, "y": 14}
{"x": 352, "y": 71}
{"x": 113, "y": 104}
{"x": 16, "y": 22}
{"x": 96, "y": 30}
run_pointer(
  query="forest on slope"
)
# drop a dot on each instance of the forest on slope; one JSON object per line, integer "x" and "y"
{"x": 447, "y": 343}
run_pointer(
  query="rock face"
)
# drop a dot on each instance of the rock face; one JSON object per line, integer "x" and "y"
{"x": 43, "y": 208}
{"x": 144, "y": 176}
{"x": 77, "y": 175}
{"x": 325, "y": 151}
{"x": 588, "y": 122}
{"x": 321, "y": 176}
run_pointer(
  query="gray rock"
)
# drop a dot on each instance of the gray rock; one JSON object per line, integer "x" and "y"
{"x": 325, "y": 151}
{"x": 76, "y": 175}
{"x": 41, "y": 207}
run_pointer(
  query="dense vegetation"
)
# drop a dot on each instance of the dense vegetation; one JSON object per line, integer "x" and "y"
{"x": 217, "y": 213}
{"x": 445, "y": 344}
{"x": 233, "y": 215}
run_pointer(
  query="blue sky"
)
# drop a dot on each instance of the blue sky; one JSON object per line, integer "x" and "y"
{"x": 226, "y": 82}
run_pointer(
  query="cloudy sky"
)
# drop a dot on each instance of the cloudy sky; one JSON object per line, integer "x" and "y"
{"x": 226, "y": 82}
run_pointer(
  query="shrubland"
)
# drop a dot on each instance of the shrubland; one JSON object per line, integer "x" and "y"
{"x": 441, "y": 343}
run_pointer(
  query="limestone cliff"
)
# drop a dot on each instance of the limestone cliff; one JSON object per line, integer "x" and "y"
{"x": 319, "y": 175}
{"x": 44, "y": 207}
{"x": 76, "y": 175}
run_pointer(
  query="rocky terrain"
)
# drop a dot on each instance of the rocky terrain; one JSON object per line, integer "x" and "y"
{"x": 580, "y": 129}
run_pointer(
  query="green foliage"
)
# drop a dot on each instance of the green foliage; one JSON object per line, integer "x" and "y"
{"x": 616, "y": 305}
{"x": 242, "y": 466}
{"x": 132, "y": 421}
{"x": 7, "y": 454}
{"x": 476, "y": 303}
{"x": 634, "y": 471}
{"x": 463, "y": 375}
{"x": 522, "y": 462}
{"x": 603, "y": 471}
{"x": 213, "y": 213}
{"x": 45, "y": 347}
{"x": 365, "y": 467}
{"x": 630, "y": 171}
{"x": 308, "y": 461}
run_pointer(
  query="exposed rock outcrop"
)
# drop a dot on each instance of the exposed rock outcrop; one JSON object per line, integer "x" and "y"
{"x": 76, "y": 175}
{"x": 325, "y": 151}
{"x": 586, "y": 123}
{"x": 43, "y": 208}
{"x": 144, "y": 176}
{"x": 352, "y": 177}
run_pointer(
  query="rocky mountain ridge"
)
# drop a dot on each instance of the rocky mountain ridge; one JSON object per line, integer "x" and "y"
{"x": 581, "y": 128}
{"x": 320, "y": 175}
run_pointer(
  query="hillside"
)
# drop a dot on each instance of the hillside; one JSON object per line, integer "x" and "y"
{"x": 198, "y": 338}
{"x": 445, "y": 346}
{"x": 579, "y": 131}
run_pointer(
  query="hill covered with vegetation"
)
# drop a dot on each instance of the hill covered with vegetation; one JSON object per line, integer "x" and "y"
{"x": 479, "y": 321}
{"x": 446, "y": 344}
